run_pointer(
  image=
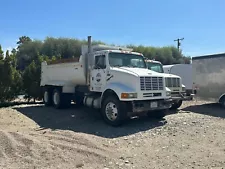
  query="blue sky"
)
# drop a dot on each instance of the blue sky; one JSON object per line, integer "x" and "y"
{"x": 146, "y": 22}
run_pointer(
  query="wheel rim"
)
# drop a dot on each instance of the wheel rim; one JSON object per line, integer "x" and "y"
{"x": 45, "y": 96}
{"x": 56, "y": 98}
{"x": 111, "y": 111}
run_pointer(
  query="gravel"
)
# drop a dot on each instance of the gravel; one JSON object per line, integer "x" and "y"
{"x": 34, "y": 136}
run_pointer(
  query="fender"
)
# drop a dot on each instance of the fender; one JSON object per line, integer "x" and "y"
{"x": 55, "y": 83}
{"x": 118, "y": 88}
{"x": 223, "y": 95}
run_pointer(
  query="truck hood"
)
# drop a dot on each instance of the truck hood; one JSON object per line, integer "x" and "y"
{"x": 137, "y": 71}
{"x": 171, "y": 75}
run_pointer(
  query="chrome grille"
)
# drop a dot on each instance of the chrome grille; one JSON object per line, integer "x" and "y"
{"x": 151, "y": 83}
{"x": 172, "y": 82}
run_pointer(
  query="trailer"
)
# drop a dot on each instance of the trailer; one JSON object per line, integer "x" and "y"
{"x": 209, "y": 77}
{"x": 185, "y": 72}
{"x": 173, "y": 81}
{"x": 106, "y": 78}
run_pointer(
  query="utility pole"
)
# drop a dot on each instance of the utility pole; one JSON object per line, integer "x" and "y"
{"x": 178, "y": 43}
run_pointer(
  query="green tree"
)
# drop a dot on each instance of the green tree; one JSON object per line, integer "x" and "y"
{"x": 1, "y": 53}
{"x": 23, "y": 39}
{"x": 10, "y": 79}
{"x": 27, "y": 53}
{"x": 32, "y": 78}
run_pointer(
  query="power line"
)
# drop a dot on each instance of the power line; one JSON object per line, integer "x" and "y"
{"x": 178, "y": 42}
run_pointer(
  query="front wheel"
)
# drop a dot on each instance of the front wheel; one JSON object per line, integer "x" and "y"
{"x": 113, "y": 111}
{"x": 222, "y": 102}
{"x": 176, "y": 104}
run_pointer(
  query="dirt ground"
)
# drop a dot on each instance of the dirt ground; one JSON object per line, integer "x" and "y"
{"x": 33, "y": 136}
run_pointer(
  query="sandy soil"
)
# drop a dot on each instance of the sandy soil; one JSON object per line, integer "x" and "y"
{"x": 33, "y": 136}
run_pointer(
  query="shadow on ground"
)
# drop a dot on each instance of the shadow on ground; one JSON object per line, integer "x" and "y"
{"x": 211, "y": 109}
{"x": 9, "y": 104}
{"x": 85, "y": 120}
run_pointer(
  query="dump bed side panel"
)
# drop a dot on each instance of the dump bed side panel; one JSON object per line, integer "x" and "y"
{"x": 63, "y": 74}
{"x": 209, "y": 76}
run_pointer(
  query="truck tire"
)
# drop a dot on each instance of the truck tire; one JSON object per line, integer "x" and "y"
{"x": 176, "y": 105}
{"x": 57, "y": 99}
{"x": 113, "y": 111}
{"x": 158, "y": 114}
{"x": 222, "y": 102}
{"x": 47, "y": 97}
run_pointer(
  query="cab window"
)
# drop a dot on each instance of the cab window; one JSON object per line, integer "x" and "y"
{"x": 100, "y": 62}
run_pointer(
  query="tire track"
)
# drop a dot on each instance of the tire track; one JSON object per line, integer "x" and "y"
{"x": 75, "y": 146}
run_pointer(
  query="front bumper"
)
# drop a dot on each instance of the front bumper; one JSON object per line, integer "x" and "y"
{"x": 148, "y": 105}
{"x": 181, "y": 96}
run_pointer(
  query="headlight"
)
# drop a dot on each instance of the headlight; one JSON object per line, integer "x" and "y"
{"x": 128, "y": 95}
{"x": 183, "y": 88}
{"x": 168, "y": 93}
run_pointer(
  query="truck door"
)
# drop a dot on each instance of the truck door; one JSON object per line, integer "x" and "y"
{"x": 98, "y": 74}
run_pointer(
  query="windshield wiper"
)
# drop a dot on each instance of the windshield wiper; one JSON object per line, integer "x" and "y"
{"x": 131, "y": 66}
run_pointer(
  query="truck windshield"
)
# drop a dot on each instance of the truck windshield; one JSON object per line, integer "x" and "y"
{"x": 157, "y": 67}
{"x": 126, "y": 60}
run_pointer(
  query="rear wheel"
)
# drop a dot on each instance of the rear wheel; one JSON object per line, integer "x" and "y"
{"x": 113, "y": 111}
{"x": 57, "y": 98}
{"x": 47, "y": 97}
{"x": 61, "y": 100}
{"x": 176, "y": 104}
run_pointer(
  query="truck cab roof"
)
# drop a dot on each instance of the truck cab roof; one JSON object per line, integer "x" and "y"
{"x": 120, "y": 51}
{"x": 106, "y": 48}
{"x": 153, "y": 61}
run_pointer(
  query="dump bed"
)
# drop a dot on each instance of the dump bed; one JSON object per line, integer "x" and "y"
{"x": 209, "y": 76}
{"x": 67, "y": 72}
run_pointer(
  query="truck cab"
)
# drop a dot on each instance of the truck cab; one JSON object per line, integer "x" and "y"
{"x": 173, "y": 82}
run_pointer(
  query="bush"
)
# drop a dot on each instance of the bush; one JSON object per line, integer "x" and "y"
{"x": 32, "y": 79}
{"x": 10, "y": 79}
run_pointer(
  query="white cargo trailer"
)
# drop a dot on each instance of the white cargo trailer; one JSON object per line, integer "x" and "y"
{"x": 173, "y": 81}
{"x": 209, "y": 77}
{"x": 106, "y": 78}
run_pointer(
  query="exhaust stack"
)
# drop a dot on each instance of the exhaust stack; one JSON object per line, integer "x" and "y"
{"x": 89, "y": 44}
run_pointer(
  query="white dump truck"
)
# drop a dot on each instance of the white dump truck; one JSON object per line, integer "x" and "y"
{"x": 105, "y": 78}
{"x": 173, "y": 82}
